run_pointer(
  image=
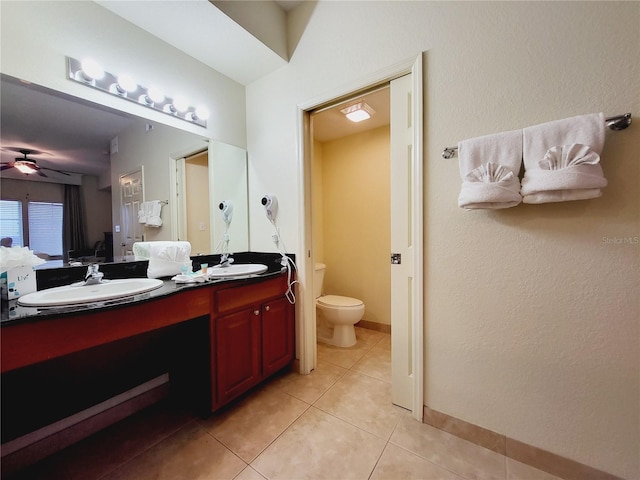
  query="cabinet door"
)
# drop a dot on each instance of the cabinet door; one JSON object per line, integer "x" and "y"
{"x": 277, "y": 335}
{"x": 237, "y": 353}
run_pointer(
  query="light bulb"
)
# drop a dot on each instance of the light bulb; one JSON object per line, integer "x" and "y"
{"x": 155, "y": 94}
{"x": 127, "y": 83}
{"x": 202, "y": 112}
{"x": 92, "y": 69}
{"x": 180, "y": 103}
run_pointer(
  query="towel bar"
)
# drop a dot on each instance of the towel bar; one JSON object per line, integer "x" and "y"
{"x": 616, "y": 123}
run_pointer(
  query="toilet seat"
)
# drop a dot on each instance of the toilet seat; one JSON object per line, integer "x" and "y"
{"x": 338, "y": 301}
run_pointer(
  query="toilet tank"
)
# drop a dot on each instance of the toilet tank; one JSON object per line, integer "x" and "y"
{"x": 318, "y": 279}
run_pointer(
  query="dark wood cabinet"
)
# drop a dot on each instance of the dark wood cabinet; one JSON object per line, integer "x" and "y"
{"x": 251, "y": 332}
{"x": 237, "y": 353}
{"x": 253, "y": 337}
{"x": 277, "y": 335}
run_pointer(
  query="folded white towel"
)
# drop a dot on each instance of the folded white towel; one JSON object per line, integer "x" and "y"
{"x": 153, "y": 218}
{"x": 489, "y": 168}
{"x": 195, "y": 278}
{"x": 562, "y": 160}
{"x": 165, "y": 257}
{"x": 143, "y": 212}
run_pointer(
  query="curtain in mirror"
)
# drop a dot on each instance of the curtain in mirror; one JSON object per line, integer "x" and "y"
{"x": 73, "y": 224}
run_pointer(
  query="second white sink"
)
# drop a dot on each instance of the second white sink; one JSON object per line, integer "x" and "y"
{"x": 80, "y": 294}
{"x": 236, "y": 270}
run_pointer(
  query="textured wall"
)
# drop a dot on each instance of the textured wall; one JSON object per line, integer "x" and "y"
{"x": 531, "y": 314}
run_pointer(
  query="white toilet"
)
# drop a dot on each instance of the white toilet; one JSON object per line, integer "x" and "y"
{"x": 336, "y": 315}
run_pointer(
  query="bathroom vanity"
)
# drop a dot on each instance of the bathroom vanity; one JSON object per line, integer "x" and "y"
{"x": 216, "y": 340}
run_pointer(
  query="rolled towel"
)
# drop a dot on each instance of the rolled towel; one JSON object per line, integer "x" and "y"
{"x": 489, "y": 168}
{"x": 166, "y": 258}
{"x": 562, "y": 160}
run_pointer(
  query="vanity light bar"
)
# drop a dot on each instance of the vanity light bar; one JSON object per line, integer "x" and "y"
{"x": 89, "y": 73}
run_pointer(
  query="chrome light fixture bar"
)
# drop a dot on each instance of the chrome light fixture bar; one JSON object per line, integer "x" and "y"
{"x": 90, "y": 73}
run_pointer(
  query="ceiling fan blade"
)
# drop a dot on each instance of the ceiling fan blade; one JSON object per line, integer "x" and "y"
{"x": 54, "y": 170}
{"x": 39, "y": 172}
{"x": 24, "y": 151}
{"x": 6, "y": 166}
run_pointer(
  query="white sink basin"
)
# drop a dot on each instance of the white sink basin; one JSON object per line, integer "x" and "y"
{"x": 236, "y": 270}
{"x": 78, "y": 294}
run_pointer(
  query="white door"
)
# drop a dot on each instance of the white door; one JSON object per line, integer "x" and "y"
{"x": 403, "y": 199}
{"x": 406, "y": 210}
{"x": 131, "y": 196}
{"x": 181, "y": 202}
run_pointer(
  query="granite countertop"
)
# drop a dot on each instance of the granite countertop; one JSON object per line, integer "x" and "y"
{"x": 12, "y": 313}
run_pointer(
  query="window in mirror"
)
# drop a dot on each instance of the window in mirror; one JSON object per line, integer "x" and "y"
{"x": 44, "y": 222}
{"x": 45, "y": 228}
{"x": 11, "y": 223}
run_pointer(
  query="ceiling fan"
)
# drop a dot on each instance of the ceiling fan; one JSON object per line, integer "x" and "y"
{"x": 28, "y": 165}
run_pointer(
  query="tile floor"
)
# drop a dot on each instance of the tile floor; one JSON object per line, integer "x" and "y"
{"x": 336, "y": 423}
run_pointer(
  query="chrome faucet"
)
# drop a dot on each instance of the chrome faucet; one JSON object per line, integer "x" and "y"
{"x": 93, "y": 276}
{"x": 225, "y": 261}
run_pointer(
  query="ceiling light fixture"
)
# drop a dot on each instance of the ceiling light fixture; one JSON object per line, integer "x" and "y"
{"x": 358, "y": 112}
{"x": 89, "y": 72}
{"x": 25, "y": 168}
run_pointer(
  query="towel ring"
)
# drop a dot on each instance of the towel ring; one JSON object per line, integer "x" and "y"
{"x": 615, "y": 123}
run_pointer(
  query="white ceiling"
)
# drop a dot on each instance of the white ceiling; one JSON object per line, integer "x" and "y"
{"x": 71, "y": 136}
{"x": 205, "y": 33}
{"x": 75, "y": 136}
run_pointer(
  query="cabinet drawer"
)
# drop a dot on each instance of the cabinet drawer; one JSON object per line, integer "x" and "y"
{"x": 233, "y": 298}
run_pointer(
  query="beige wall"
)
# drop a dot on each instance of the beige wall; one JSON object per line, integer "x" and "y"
{"x": 196, "y": 172}
{"x": 356, "y": 220}
{"x": 531, "y": 314}
{"x": 317, "y": 214}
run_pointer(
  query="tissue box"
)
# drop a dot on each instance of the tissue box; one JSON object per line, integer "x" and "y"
{"x": 18, "y": 281}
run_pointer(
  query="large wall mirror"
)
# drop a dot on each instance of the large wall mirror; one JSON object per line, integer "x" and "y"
{"x": 62, "y": 140}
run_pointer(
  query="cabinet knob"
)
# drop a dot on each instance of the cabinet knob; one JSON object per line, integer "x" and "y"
{"x": 256, "y": 312}
{"x": 267, "y": 308}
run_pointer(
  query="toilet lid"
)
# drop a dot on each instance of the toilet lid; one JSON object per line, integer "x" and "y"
{"x": 339, "y": 301}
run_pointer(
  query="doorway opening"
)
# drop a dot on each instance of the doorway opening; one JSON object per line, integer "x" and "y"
{"x": 407, "y": 343}
{"x": 194, "y": 211}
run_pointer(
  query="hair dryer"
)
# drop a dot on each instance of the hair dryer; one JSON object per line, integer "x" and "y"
{"x": 227, "y": 210}
{"x": 270, "y": 204}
